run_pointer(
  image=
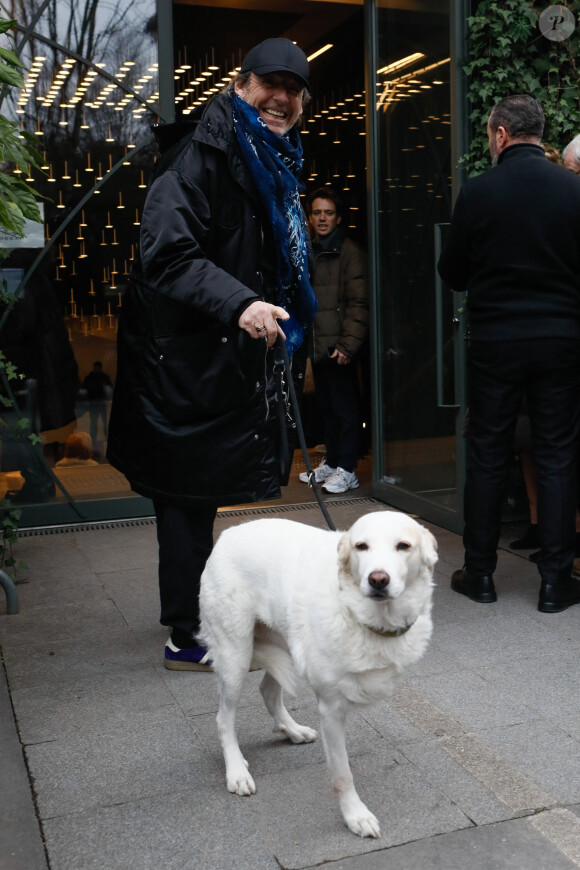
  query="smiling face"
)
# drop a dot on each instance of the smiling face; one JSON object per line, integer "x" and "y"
{"x": 278, "y": 98}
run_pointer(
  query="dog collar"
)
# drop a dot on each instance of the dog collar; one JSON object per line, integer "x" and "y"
{"x": 396, "y": 633}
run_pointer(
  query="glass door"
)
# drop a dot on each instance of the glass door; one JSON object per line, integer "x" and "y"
{"x": 89, "y": 96}
{"x": 418, "y": 347}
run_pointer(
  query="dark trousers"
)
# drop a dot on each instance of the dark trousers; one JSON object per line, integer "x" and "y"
{"x": 337, "y": 395}
{"x": 97, "y": 411}
{"x": 547, "y": 372}
{"x": 185, "y": 538}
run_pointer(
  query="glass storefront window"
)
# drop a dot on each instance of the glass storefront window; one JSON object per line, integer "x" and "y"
{"x": 90, "y": 96}
{"x": 417, "y": 368}
{"x": 89, "y": 99}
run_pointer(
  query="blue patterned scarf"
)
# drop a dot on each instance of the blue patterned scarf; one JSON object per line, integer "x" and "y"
{"x": 275, "y": 163}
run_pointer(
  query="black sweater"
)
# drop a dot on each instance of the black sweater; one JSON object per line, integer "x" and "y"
{"x": 514, "y": 245}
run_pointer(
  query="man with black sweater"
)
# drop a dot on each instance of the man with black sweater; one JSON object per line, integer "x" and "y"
{"x": 514, "y": 246}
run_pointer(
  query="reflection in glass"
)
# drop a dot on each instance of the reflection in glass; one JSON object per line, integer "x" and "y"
{"x": 89, "y": 99}
{"x": 418, "y": 430}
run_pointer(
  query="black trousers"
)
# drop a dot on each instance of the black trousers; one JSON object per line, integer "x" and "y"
{"x": 547, "y": 372}
{"x": 337, "y": 395}
{"x": 185, "y": 538}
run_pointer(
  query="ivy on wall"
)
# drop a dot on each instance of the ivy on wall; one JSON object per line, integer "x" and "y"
{"x": 509, "y": 55}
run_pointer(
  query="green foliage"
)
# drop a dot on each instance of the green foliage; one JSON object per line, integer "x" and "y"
{"x": 17, "y": 198}
{"x": 10, "y": 521}
{"x": 508, "y": 55}
{"x": 17, "y": 204}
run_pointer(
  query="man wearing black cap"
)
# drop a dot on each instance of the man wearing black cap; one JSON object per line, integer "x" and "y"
{"x": 222, "y": 259}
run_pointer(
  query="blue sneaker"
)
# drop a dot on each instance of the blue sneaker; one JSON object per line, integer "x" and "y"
{"x": 194, "y": 659}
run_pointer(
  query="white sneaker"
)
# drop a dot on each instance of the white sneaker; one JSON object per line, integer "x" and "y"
{"x": 340, "y": 481}
{"x": 320, "y": 474}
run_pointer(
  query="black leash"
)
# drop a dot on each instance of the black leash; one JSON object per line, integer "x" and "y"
{"x": 281, "y": 346}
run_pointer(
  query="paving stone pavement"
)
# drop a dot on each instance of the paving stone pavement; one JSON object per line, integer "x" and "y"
{"x": 110, "y": 762}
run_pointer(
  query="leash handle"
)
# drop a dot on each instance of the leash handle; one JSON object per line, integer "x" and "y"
{"x": 281, "y": 344}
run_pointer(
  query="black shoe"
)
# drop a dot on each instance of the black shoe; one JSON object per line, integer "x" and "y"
{"x": 528, "y": 541}
{"x": 533, "y": 557}
{"x": 479, "y": 587}
{"x": 555, "y": 597}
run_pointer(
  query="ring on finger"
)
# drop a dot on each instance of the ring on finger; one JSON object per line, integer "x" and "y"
{"x": 260, "y": 328}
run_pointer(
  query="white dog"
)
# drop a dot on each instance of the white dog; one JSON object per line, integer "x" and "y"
{"x": 346, "y": 611}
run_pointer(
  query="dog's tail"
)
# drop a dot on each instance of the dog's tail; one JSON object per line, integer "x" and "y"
{"x": 277, "y": 662}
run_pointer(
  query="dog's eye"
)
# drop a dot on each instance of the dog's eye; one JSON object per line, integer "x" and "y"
{"x": 403, "y": 545}
{"x": 361, "y": 546}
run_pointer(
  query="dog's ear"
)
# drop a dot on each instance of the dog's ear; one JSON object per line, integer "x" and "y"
{"x": 344, "y": 552}
{"x": 428, "y": 548}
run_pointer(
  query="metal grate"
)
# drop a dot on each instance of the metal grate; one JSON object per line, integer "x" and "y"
{"x": 150, "y": 521}
{"x": 85, "y": 527}
{"x": 289, "y": 508}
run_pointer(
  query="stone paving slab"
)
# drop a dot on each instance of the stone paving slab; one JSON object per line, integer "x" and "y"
{"x": 63, "y": 662}
{"x": 136, "y": 596}
{"x": 21, "y": 846}
{"x": 480, "y": 702}
{"x": 299, "y": 817}
{"x": 551, "y": 687}
{"x": 148, "y": 758}
{"x": 472, "y": 763}
{"x": 107, "y": 702}
{"x": 119, "y": 548}
{"x": 86, "y": 619}
{"x": 549, "y": 755}
{"x": 506, "y": 638}
{"x": 477, "y": 802}
{"x": 569, "y": 724}
{"x": 207, "y": 830}
{"x": 265, "y": 750}
{"x": 512, "y": 845}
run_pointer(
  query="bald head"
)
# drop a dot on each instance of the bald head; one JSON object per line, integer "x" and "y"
{"x": 571, "y": 155}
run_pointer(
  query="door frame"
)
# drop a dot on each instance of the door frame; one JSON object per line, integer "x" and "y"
{"x": 410, "y": 502}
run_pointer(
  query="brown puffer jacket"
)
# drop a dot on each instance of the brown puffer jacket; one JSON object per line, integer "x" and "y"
{"x": 340, "y": 281}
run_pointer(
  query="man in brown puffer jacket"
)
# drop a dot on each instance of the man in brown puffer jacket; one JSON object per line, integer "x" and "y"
{"x": 340, "y": 281}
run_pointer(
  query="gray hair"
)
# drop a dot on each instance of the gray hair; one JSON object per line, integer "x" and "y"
{"x": 574, "y": 147}
{"x": 242, "y": 80}
{"x": 521, "y": 116}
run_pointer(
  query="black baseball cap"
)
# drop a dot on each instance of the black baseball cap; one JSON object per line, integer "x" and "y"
{"x": 277, "y": 55}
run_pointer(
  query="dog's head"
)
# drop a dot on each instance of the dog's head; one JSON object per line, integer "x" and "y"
{"x": 385, "y": 553}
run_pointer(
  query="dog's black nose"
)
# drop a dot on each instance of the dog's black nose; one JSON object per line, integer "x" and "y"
{"x": 379, "y": 579}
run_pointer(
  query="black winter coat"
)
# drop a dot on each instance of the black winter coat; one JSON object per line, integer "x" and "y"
{"x": 514, "y": 245}
{"x": 34, "y": 338}
{"x": 193, "y": 416}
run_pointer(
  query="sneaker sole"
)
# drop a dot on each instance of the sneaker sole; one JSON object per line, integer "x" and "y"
{"x": 186, "y": 666}
{"x": 194, "y": 666}
{"x": 337, "y": 491}
{"x": 305, "y": 479}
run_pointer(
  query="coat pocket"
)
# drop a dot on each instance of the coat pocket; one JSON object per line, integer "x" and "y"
{"x": 203, "y": 375}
